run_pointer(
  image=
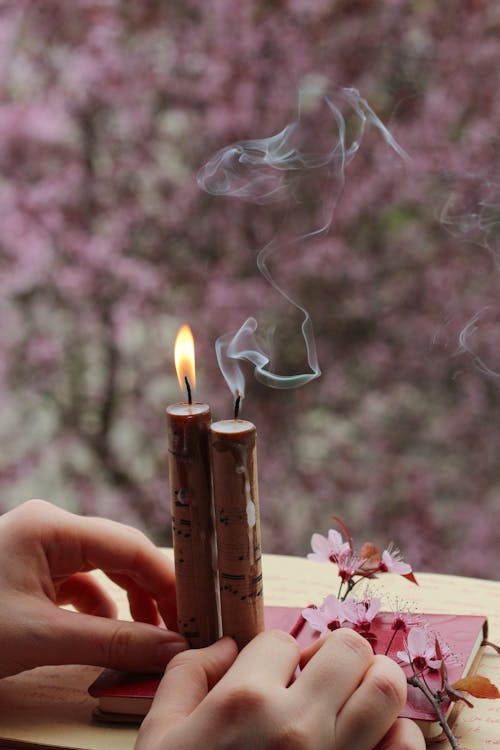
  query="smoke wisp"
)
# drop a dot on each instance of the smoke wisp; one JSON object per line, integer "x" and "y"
{"x": 321, "y": 142}
{"x": 472, "y": 214}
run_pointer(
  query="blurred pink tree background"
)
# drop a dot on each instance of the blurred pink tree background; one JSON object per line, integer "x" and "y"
{"x": 108, "y": 110}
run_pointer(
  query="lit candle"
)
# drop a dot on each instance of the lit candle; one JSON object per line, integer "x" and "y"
{"x": 191, "y": 506}
{"x": 236, "y": 505}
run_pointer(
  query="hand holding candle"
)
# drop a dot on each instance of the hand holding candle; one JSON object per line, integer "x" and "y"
{"x": 191, "y": 506}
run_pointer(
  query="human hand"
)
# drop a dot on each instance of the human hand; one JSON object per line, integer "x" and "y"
{"x": 45, "y": 556}
{"x": 344, "y": 698}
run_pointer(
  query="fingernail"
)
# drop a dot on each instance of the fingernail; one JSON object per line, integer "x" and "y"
{"x": 166, "y": 651}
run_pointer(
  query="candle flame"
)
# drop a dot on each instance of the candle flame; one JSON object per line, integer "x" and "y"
{"x": 184, "y": 357}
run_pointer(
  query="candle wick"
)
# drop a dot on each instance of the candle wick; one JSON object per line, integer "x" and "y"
{"x": 188, "y": 389}
{"x": 237, "y": 405}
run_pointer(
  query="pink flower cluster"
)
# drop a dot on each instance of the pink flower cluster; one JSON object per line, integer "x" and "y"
{"x": 333, "y": 549}
{"x": 419, "y": 652}
{"x": 405, "y": 637}
{"x": 335, "y": 613}
{"x": 352, "y": 568}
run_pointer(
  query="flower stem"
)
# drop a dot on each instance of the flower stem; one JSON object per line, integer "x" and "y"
{"x": 390, "y": 642}
{"x": 418, "y": 683}
{"x": 340, "y": 591}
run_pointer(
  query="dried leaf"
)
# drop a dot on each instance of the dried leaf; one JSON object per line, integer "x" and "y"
{"x": 478, "y": 686}
{"x": 371, "y": 553}
{"x": 456, "y": 695}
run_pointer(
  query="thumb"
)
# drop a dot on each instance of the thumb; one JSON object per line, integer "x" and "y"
{"x": 187, "y": 681}
{"x": 76, "y": 638}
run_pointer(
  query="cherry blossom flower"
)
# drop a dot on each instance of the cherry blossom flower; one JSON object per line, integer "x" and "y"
{"x": 328, "y": 549}
{"x": 392, "y": 562}
{"x": 362, "y": 613}
{"x": 332, "y": 614}
{"x": 403, "y": 616}
{"x": 401, "y": 624}
{"x": 403, "y": 621}
{"x": 419, "y": 651}
{"x": 349, "y": 564}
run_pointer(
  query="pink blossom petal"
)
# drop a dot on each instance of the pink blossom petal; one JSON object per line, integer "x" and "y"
{"x": 337, "y": 544}
{"x": 317, "y": 557}
{"x": 417, "y": 642}
{"x": 315, "y": 619}
{"x": 334, "y": 609}
{"x": 351, "y": 610}
{"x": 319, "y": 543}
{"x": 404, "y": 657}
{"x": 433, "y": 663}
{"x": 394, "y": 564}
{"x": 320, "y": 547}
{"x": 374, "y": 608}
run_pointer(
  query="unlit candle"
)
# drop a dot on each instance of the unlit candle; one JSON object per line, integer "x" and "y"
{"x": 237, "y": 519}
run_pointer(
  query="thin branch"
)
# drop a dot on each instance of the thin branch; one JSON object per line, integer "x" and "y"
{"x": 416, "y": 682}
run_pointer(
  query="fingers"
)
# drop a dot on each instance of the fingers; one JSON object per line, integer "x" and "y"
{"x": 85, "y": 594}
{"x": 373, "y": 707}
{"x": 334, "y": 669}
{"x": 243, "y": 705}
{"x": 143, "y": 607}
{"x": 403, "y": 735}
{"x": 363, "y": 693}
{"x": 187, "y": 681}
{"x": 56, "y": 636}
{"x": 269, "y": 659}
{"x": 74, "y": 543}
{"x": 119, "y": 549}
{"x": 250, "y": 706}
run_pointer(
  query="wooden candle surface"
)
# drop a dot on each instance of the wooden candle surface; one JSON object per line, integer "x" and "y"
{"x": 236, "y": 505}
{"x": 193, "y": 523}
